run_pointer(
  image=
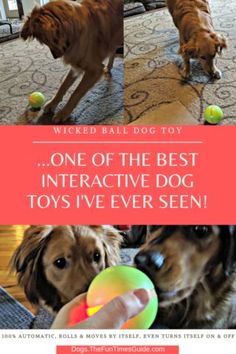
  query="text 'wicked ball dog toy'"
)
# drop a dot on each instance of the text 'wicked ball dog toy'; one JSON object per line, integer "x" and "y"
{"x": 36, "y": 100}
{"x": 115, "y": 281}
{"x": 213, "y": 114}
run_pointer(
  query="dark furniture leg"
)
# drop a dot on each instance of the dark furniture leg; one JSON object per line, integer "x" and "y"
{"x": 20, "y": 8}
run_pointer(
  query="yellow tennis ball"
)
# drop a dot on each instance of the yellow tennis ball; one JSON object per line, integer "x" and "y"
{"x": 213, "y": 114}
{"x": 36, "y": 100}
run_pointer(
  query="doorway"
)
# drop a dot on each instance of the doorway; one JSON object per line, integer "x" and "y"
{"x": 11, "y": 8}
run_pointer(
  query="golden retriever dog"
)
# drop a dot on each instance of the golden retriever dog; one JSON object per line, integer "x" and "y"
{"x": 197, "y": 37}
{"x": 194, "y": 272}
{"x": 83, "y": 33}
{"x": 56, "y": 263}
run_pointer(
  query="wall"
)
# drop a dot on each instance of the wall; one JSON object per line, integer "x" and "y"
{"x": 28, "y": 5}
{"x": 2, "y": 11}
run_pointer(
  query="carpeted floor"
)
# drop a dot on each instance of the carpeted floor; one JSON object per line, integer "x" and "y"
{"x": 15, "y": 316}
{"x": 28, "y": 67}
{"x": 12, "y": 313}
{"x": 152, "y": 67}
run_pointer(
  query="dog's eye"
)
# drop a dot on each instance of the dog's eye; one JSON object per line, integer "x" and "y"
{"x": 203, "y": 58}
{"x": 201, "y": 230}
{"x": 96, "y": 256}
{"x": 60, "y": 263}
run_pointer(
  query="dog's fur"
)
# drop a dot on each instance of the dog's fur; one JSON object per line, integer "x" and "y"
{"x": 56, "y": 263}
{"x": 197, "y": 37}
{"x": 84, "y": 33}
{"x": 194, "y": 272}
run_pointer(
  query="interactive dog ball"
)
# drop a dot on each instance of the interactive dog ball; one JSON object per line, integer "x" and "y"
{"x": 213, "y": 114}
{"x": 115, "y": 281}
{"x": 36, "y": 99}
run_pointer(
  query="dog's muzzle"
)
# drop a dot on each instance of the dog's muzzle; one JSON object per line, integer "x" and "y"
{"x": 149, "y": 261}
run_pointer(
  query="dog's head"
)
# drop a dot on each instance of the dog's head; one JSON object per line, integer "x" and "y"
{"x": 179, "y": 258}
{"x": 205, "y": 45}
{"x": 50, "y": 25}
{"x": 56, "y": 263}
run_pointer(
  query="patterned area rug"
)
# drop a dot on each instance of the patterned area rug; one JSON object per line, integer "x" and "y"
{"x": 28, "y": 67}
{"x": 152, "y": 65}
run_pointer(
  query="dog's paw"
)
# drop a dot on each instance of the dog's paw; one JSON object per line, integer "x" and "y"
{"x": 59, "y": 117}
{"x": 49, "y": 108}
{"x": 217, "y": 75}
{"x": 107, "y": 72}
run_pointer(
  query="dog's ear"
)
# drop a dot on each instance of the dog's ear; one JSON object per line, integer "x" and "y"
{"x": 30, "y": 248}
{"x": 220, "y": 43}
{"x": 134, "y": 237}
{"x": 46, "y": 27}
{"x": 111, "y": 241}
{"x": 27, "y": 263}
{"x": 189, "y": 49}
{"x": 228, "y": 238}
{"x": 26, "y": 31}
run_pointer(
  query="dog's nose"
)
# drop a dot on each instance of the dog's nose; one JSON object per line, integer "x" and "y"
{"x": 149, "y": 260}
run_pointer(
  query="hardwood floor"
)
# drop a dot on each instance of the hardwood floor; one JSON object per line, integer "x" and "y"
{"x": 10, "y": 238}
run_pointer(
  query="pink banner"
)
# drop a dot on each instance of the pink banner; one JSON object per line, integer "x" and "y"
{"x": 117, "y": 175}
{"x": 102, "y": 349}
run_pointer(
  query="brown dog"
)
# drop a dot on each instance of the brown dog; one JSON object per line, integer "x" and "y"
{"x": 194, "y": 272}
{"x": 84, "y": 33}
{"x": 56, "y": 263}
{"x": 197, "y": 37}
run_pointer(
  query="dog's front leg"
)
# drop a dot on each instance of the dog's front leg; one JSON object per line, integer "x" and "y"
{"x": 88, "y": 81}
{"x": 185, "y": 71}
{"x": 211, "y": 69}
{"x": 217, "y": 74}
{"x": 68, "y": 81}
{"x": 109, "y": 66}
